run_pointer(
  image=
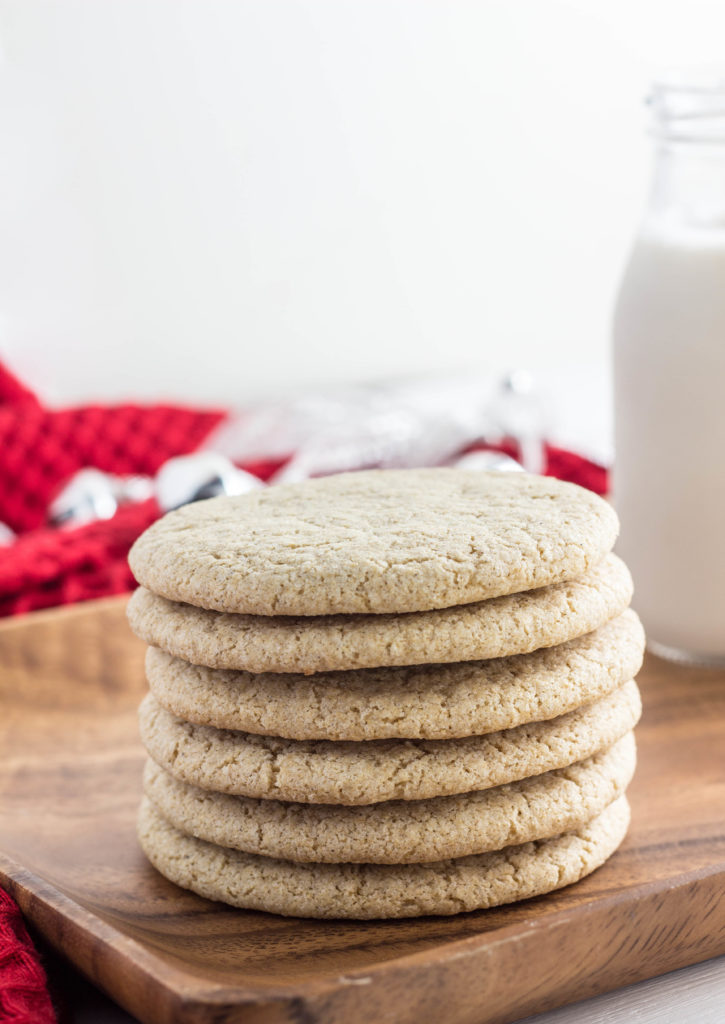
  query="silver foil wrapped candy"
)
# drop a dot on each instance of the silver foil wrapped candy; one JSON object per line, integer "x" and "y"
{"x": 202, "y": 475}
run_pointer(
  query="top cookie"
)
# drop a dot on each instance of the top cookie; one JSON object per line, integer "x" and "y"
{"x": 375, "y": 541}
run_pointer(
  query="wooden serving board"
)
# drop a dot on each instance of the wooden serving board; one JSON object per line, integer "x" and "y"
{"x": 70, "y": 785}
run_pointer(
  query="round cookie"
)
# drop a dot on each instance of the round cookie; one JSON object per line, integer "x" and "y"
{"x": 514, "y": 624}
{"x": 365, "y": 891}
{"x": 355, "y": 773}
{"x": 400, "y": 831}
{"x": 418, "y": 702}
{"x": 375, "y": 541}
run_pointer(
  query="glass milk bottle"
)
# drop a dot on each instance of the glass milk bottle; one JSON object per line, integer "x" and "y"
{"x": 669, "y": 359}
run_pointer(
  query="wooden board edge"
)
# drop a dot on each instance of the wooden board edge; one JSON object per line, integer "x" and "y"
{"x": 679, "y": 924}
{"x": 462, "y": 983}
{"x": 63, "y": 612}
{"x": 154, "y": 991}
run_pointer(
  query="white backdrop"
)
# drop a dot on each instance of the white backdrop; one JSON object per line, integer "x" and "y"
{"x": 220, "y": 200}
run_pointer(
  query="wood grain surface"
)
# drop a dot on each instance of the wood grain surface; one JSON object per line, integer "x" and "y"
{"x": 69, "y": 788}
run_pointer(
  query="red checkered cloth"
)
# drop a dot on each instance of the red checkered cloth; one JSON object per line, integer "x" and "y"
{"x": 40, "y": 450}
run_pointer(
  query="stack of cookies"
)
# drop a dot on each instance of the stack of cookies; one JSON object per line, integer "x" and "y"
{"x": 387, "y": 693}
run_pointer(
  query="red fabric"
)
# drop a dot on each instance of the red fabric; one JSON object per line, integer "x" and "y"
{"x": 40, "y": 450}
{"x": 49, "y": 567}
{"x": 24, "y": 997}
{"x": 13, "y": 392}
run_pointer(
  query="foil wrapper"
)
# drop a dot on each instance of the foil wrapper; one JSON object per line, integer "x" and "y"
{"x": 421, "y": 423}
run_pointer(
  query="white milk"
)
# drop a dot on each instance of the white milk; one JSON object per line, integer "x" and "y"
{"x": 669, "y": 482}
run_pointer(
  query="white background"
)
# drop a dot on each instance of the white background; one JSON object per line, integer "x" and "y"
{"x": 222, "y": 200}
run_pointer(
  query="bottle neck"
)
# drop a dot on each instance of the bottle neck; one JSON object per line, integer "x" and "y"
{"x": 688, "y": 184}
{"x": 688, "y": 187}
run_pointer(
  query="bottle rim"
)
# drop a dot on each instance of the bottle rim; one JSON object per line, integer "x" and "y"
{"x": 688, "y": 108}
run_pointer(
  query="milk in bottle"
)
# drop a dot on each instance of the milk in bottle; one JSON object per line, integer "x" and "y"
{"x": 669, "y": 359}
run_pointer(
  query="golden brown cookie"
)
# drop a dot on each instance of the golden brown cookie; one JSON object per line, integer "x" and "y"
{"x": 502, "y": 626}
{"x": 418, "y": 702}
{"x": 380, "y": 890}
{"x": 353, "y": 773}
{"x": 400, "y": 831}
{"x": 375, "y": 541}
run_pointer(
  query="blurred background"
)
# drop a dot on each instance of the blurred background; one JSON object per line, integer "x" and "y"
{"x": 224, "y": 200}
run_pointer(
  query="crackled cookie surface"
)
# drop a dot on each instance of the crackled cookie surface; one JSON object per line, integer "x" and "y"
{"x": 416, "y": 702}
{"x": 366, "y": 891}
{"x": 367, "y": 772}
{"x": 400, "y": 831}
{"x": 376, "y": 541}
{"x": 513, "y": 624}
